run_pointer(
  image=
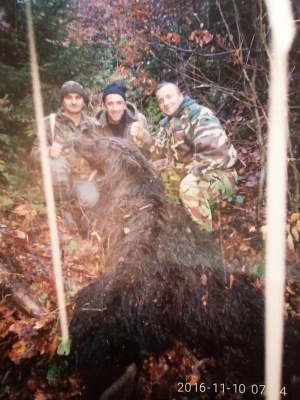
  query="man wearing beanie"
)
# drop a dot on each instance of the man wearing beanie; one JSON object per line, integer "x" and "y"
{"x": 70, "y": 172}
{"x": 119, "y": 117}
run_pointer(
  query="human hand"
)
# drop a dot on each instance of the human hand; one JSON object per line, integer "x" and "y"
{"x": 137, "y": 129}
{"x": 55, "y": 149}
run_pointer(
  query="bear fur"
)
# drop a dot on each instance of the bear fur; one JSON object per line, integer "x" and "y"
{"x": 164, "y": 282}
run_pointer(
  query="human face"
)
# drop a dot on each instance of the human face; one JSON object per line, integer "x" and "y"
{"x": 169, "y": 99}
{"x": 73, "y": 104}
{"x": 115, "y": 106}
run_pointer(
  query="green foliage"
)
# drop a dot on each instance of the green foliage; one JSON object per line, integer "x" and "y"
{"x": 4, "y": 391}
{"x": 55, "y": 369}
{"x": 71, "y": 246}
{"x": 89, "y": 41}
{"x": 153, "y": 113}
{"x": 70, "y": 63}
{"x": 38, "y": 204}
{"x": 11, "y": 143}
{"x": 52, "y": 374}
{"x": 254, "y": 268}
{"x": 34, "y": 286}
{"x": 14, "y": 82}
{"x": 14, "y": 174}
{"x": 14, "y": 178}
{"x": 51, "y": 21}
{"x": 239, "y": 199}
{"x": 44, "y": 298}
{"x": 5, "y": 201}
{"x": 104, "y": 66}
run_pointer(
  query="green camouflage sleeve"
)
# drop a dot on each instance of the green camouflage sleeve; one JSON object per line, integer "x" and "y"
{"x": 157, "y": 146}
{"x": 213, "y": 149}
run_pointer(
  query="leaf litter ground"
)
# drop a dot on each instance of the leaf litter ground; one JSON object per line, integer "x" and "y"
{"x": 30, "y": 367}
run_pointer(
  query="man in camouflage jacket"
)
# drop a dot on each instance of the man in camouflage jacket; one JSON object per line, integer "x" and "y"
{"x": 200, "y": 158}
{"x": 70, "y": 172}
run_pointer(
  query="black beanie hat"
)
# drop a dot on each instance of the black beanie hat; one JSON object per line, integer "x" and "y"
{"x": 115, "y": 88}
{"x": 73, "y": 87}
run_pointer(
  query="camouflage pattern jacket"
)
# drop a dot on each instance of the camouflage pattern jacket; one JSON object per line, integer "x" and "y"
{"x": 131, "y": 115}
{"x": 193, "y": 140}
{"x": 66, "y": 131}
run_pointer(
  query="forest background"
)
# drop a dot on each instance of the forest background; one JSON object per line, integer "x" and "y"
{"x": 218, "y": 53}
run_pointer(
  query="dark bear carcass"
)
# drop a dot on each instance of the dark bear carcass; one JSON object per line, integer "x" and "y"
{"x": 164, "y": 280}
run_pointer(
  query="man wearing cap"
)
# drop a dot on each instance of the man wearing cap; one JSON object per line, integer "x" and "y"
{"x": 200, "y": 158}
{"x": 120, "y": 117}
{"x": 70, "y": 172}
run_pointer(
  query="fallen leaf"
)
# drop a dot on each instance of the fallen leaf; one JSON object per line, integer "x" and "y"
{"x": 295, "y": 217}
{"x": 295, "y": 233}
{"x": 290, "y": 242}
{"x": 194, "y": 379}
{"x": 18, "y": 351}
{"x": 244, "y": 247}
{"x": 22, "y": 235}
{"x": 53, "y": 346}
{"x": 40, "y": 396}
{"x": 289, "y": 290}
{"x": 263, "y": 230}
